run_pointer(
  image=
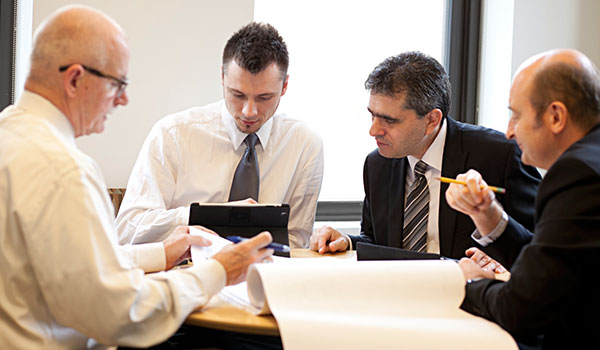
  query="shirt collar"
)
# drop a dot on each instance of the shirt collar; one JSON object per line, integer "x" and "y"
{"x": 38, "y": 106}
{"x": 435, "y": 153}
{"x": 237, "y": 137}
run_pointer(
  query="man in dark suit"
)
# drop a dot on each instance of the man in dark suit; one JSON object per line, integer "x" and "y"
{"x": 409, "y": 103}
{"x": 553, "y": 289}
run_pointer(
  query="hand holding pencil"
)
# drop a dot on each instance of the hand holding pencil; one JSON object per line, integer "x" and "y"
{"x": 471, "y": 195}
{"x": 452, "y": 181}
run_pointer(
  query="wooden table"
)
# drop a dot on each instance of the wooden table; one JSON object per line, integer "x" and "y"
{"x": 219, "y": 314}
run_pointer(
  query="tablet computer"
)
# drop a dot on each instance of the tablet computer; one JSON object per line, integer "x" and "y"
{"x": 367, "y": 251}
{"x": 245, "y": 220}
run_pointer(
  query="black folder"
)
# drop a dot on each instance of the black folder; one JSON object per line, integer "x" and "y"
{"x": 367, "y": 251}
{"x": 245, "y": 221}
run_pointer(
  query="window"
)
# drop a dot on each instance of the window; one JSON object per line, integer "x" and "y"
{"x": 333, "y": 46}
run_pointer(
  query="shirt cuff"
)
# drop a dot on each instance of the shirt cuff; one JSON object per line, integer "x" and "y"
{"x": 183, "y": 216}
{"x": 488, "y": 239}
{"x": 150, "y": 257}
{"x": 211, "y": 274}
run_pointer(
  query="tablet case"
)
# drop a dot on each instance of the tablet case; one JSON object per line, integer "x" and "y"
{"x": 367, "y": 251}
{"x": 244, "y": 221}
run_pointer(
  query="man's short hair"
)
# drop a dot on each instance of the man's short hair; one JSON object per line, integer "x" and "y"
{"x": 255, "y": 47}
{"x": 578, "y": 88}
{"x": 420, "y": 77}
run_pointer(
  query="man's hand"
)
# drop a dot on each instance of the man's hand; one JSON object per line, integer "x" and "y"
{"x": 479, "y": 203}
{"x": 177, "y": 245}
{"x": 472, "y": 270}
{"x": 484, "y": 261}
{"x": 325, "y": 239}
{"x": 236, "y": 258}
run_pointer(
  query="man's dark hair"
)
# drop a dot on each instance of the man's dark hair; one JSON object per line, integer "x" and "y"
{"x": 420, "y": 77}
{"x": 575, "y": 86}
{"x": 255, "y": 47}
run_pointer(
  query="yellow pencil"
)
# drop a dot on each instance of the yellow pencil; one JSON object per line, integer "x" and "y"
{"x": 452, "y": 181}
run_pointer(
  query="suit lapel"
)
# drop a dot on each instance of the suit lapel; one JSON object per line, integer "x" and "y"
{"x": 453, "y": 163}
{"x": 396, "y": 202}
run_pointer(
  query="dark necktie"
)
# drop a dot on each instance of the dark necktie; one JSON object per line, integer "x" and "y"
{"x": 416, "y": 212}
{"x": 246, "y": 178}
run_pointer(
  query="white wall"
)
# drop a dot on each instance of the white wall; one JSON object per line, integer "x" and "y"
{"x": 545, "y": 24}
{"x": 510, "y": 36}
{"x": 495, "y": 63}
{"x": 176, "y": 48}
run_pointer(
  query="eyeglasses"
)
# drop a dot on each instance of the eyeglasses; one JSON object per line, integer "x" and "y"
{"x": 122, "y": 83}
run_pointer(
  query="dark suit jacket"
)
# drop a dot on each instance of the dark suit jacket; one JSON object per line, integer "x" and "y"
{"x": 554, "y": 288}
{"x": 467, "y": 147}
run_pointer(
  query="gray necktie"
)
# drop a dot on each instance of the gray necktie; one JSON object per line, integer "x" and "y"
{"x": 416, "y": 212}
{"x": 246, "y": 178}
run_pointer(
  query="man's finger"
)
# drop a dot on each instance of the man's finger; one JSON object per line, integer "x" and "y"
{"x": 264, "y": 254}
{"x": 339, "y": 244}
{"x": 500, "y": 269}
{"x": 323, "y": 239}
{"x": 199, "y": 241}
{"x": 260, "y": 240}
{"x": 469, "y": 252}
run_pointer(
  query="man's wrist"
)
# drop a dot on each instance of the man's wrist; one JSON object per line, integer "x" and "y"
{"x": 487, "y": 221}
{"x": 495, "y": 233}
{"x": 347, "y": 240}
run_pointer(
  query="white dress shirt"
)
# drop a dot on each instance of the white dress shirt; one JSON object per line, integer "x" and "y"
{"x": 191, "y": 156}
{"x": 65, "y": 282}
{"x": 433, "y": 157}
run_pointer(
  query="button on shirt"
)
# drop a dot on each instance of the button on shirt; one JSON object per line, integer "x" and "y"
{"x": 66, "y": 283}
{"x": 433, "y": 157}
{"x": 191, "y": 156}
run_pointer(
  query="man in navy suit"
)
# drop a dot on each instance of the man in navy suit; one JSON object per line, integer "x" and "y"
{"x": 409, "y": 104}
{"x": 553, "y": 288}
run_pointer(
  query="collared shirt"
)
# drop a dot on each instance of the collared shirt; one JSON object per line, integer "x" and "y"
{"x": 433, "y": 157}
{"x": 191, "y": 156}
{"x": 66, "y": 283}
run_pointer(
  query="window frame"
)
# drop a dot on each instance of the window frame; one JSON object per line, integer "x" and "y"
{"x": 8, "y": 13}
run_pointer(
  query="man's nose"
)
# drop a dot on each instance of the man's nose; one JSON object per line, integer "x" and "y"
{"x": 122, "y": 100}
{"x": 376, "y": 129}
{"x": 510, "y": 130}
{"x": 249, "y": 109}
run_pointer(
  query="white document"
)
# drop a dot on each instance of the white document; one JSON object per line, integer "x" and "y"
{"x": 371, "y": 305}
{"x": 202, "y": 253}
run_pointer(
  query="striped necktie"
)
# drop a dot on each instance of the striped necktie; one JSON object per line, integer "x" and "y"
{"x": 416, "y": 212}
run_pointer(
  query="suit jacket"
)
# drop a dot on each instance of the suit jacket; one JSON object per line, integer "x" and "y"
{"x": 466, "y": 147}
{"x": 554, "y": 288}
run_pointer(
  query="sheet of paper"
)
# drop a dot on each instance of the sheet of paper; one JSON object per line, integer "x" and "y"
{"x": 238, "y": 295}
{"x": 371, "y": 305}
{"x": 202, "y": 253}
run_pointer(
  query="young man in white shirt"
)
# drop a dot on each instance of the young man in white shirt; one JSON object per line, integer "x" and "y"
{"x": 191, "y": 156}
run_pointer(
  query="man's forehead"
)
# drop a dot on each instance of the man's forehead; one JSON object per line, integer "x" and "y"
{"x": 388, "y": 99}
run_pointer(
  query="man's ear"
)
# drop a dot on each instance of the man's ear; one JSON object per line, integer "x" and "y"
{"x": 285, "y": 84}
{"x": 222, "y": 76}
{"x": 72, "y": 79}
{"x": 434, "y": 118}
{"x": 556, "y": 115}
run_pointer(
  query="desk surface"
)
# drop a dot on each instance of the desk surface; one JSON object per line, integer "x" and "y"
{"x": 219, "y": 314}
